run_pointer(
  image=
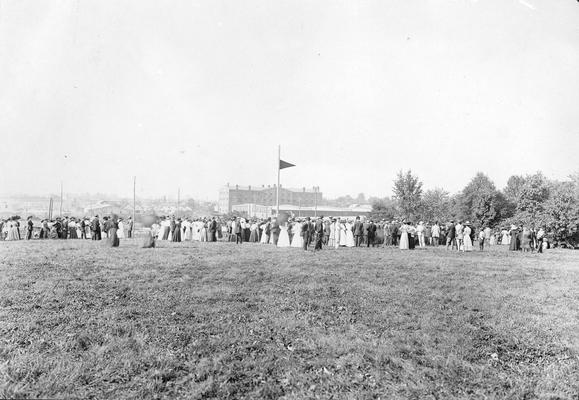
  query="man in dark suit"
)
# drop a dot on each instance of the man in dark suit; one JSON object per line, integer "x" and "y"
{"x": 130, "y": 228}
{"x": 95, "y": 228}
{"x": 327, "y": 230}
{"x": 451, "y": 236}
{"x": 29, "y": 228}
{"x": 319, "y": 233}
{"x": 213, "y": 230}
{"x": 365, "y": 227}
{"x": 371, "y": 234}
{"x": 358, "y": 230}
{"x": 65, "y": 228}
{"x": 305, "y": 233}
{"x": 275, "y": 229}
{"x": 237, "y": 231}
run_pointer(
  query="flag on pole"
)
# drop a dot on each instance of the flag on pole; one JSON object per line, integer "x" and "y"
{"x": 284, "y": 164}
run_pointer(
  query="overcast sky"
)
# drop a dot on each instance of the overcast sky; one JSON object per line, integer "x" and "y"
{"x": 197, "y": 94}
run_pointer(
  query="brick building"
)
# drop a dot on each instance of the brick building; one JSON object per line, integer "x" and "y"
{"x": 231, "y": 195}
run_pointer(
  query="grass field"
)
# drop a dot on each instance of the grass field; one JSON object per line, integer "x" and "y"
{"x": 203, "y": 320}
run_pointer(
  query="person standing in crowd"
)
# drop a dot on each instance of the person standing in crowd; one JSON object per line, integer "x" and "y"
{"x": 95, "y": 228}
{"x": 451, "y": 236}
{"x": 459, "y": 235}
{"x": 254, "y": 235}
{"x": 412, "y": 237}
{"x": 12, "y": 233}
{"x": 404, "y": 243}
{"x": 540, "y": 238}
{"x": 237, "y": 230}
{"x": 130, "y": 225}
{"x": 29, "y": 228}
{"x": 319, "y": 233}
{"x": 121, "y": 230}
{"x": 488, "y": 233}
{"x": 435, "y": 234}
{"x": 111, "y": 226}
{"x": 358, "y": 231}
{"x": 176, "y": 235}
{"x": 44, "y": 229}
{"x": 72, "y": 234}
{"x": 466, "y": 241}
{"x": 387, "y": 228}
{"x": 283, "y": 240}
{"x": 327, "y": 231}
{"x": 365, "y": 226}
{"x": 420, "y": 234}
{"x": 526, "y": 239}
{"x": 213, "y": 230}
{"x": 305, "y": 233}
{"x": 481, "y": 240}
{"x": 371, "y": 234}
{"x": 428, "y": 234}
{"x": 515, "y": 240}
{"x": 275, "y": 229}
{"x": 82, "y": 224}
{"x": 64, "y": 230}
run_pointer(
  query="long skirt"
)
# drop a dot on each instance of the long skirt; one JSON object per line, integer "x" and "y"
{"x": 113, "y": 240}
{"x": 149, "y": 241}
{"x": 404, "y": 244}
{"x": 176, "y": 235}
{"x": 254, "y": 236}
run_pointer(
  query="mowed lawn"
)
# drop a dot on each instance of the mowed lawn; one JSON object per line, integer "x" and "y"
{"x": 216, "y": 320}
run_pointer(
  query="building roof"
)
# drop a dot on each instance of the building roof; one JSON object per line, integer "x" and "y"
{"x": 270, "y": 187}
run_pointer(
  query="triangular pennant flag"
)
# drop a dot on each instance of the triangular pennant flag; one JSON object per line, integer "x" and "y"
{"x": 284, "y": 164}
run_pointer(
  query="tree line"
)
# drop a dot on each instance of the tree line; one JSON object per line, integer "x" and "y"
{"x": 531, "y": 200}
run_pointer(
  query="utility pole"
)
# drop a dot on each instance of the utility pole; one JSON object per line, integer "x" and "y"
{"x": 315, "y": 201}
{"x": 134, "y": 198}
{"x": 178, "y": 200}
{"x": 277, "y": 188}
{"x": 60, "y": 199}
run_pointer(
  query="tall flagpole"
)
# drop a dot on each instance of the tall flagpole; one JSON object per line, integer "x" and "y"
{"x": 134, "y": 197}
{"x": 178, "y": 200}
{"x": 278, "y": 170}
{"x": 60, "y": 214}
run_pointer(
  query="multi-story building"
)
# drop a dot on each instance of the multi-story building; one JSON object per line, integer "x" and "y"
{"x": 231, "y": 195}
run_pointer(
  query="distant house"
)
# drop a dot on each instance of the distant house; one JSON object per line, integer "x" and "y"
{"x": 104, "y": 208}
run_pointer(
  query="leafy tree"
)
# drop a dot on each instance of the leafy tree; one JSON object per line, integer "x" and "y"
{"x": 436, "y": 205}
{"x": 479, "y": 201}
{"x": 561, "y": 213}
{"x": 383, "y": 209}
{"x": 513, "y": 189}
{"x": 531, "y": 199}
{"x": 361, "y": 199}
{"x": 407, "y": 193}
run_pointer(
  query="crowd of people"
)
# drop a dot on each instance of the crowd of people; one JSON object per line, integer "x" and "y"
{"x": 330, "y": 232}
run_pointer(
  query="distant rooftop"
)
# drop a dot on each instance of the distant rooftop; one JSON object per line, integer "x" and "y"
{"x": 264, "y": 187}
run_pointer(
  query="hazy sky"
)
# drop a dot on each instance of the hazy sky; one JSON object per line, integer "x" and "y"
{"x": 197, "y": 94}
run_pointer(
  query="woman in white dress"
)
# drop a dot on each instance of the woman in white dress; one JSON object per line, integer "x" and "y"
{"x": 263, "y": 235}
{"x": 188, "y": 230}
{"x": 349, "y": 235}
{"x": 342, "y": 233}
{"x": 467, "y": 243}
{"x": 506, "y": 239}
{"x": 297, "y": 240}
{"x": 404, "y": 237}
{"x": 121, "y": 230}
{"x": 204, "y": 231}
{"x": 283, "y": 240}
{"x": 12, "y": 233}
